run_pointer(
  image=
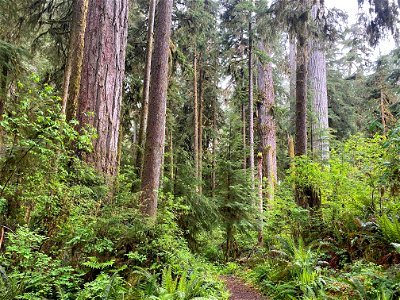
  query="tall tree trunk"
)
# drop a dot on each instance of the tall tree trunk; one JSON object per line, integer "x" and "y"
{"x": 291, "y": 148}
{"x": 301, "y": 94}
{"x": 317, "y": 76}
{"x": 251, "y": 101}
{"x": 146, "y": 87}
{"x": 306, "y": 195}
{"x": 171, "y": 160}
{"x": 292, "y": 80}
{"x": 260, "y": 199}
{"x": 320, "y": 126}
{"x": 214, "y": 146}
{"x": 244, "y": 140}
{"x": 73, "y": 70}
{"x": 229, "y": 226}
{"x": 3, "y": 86}
{"x": 101, "y": 81}
{"x": 3, "y": 96}
{"x": 196, "y": 120}
{"x": 155, "y": 135}
{"x": 266, "y": 122}
{"x": 201, "y": 104}
{"x": 382, "y": 107}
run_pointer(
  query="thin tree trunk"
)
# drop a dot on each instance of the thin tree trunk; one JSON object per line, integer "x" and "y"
{"x": 3, "y": 97}
{"x": 292, "y": 80}
{"x": 162, "y": 169}
{"x": 317, "y": 75}
{"x": 266, "y": 122}
{"x": 214, "y": 146}
{"x": 119, "y": 156}
{"x": 251, "y": 101}
{"x": 196, "y": 120}
{"x": 155, "y": 135}
{"x": 201, "y": 104}
{"x": 101, "y": 80}
{"x": 244, "y": 137}
{"x": 133, "y": 139}
{"x": 290, "y": 147}
{"x": 146, "y": 88}
{"x": 171, "y": 158}
{"x": 229, "y": 227}
{"x": 301, "y": 95}
{"x": 73, "y": 70}
{"x": 3, "y": 87}
{"x": 382, "y": 106}
{"x": 260, "y": 199}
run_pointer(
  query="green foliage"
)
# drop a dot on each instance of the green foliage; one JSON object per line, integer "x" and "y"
{"x": 104, "y": 287}
{"x": 37, "y": 153}
{"x": 66, "y": 238}
{"x": 369, "y": 281}
{"x": 390, "y": 228}
{"x": 29, "y": 273}
{"x": 187, "y": 285}
{"x": 87, "y": 247}
{"x": 231, "y": 268}
{"x": 346, "y": 238}
{"x": 292, "y": 273}
{"x": 392, "y": 172}
{"x": 233, "y": 191}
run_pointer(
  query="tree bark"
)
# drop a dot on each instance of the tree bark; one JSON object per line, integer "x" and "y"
{"x": 201, "y": 103}
{"x": 3, "y": 97}
{"x": 196, "y": 120}
{"x": 244, "y": 140}
{"x": 320, "y": 126}
{"x": 251, "y": 101}
{"x": 317, "y": 78}
{"x": 266, "y": 122}
{"x": 214, "y": 146}
{"x": 306, "y": 195}
{"x": 171, "y": 159}
{"x": 291, "y": 148}
{"x": 260, "y": 199}
{"x": 146, "y": 87}
{"x": 292, "y": 80}
{"x": 155, "y": 135}
{"x": 73, "y": 70}
{"x": 301, "y": 93}
{"x": 3, "y": 87}
{"x": 101, "y": 81}
{"x": 382, "y": 107}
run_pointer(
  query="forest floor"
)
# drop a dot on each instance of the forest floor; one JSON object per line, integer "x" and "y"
{"x": 240, "y": 290}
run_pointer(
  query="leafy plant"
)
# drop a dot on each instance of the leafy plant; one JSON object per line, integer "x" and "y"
{"x": 185, "y": 286}
{"x": 31, "y": 273}
{"x": 390, "y": 228}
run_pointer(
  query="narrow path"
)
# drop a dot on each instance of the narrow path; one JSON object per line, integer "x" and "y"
{"x": 240, "y": 290}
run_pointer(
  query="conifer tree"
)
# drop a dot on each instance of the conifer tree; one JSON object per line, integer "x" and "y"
{"x": 155, "y": 135}
{"x": 73, "y": 69}
{"x": 266, "y": 119}
{"x": 101, "y": 86}
{"x": 318, "y": 91}
{"x": 146, "y": 86}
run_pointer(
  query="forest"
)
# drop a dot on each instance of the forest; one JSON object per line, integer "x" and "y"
{"x": 199, "y": 149}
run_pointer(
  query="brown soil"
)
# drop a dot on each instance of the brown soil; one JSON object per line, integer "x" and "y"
{"x": 240, "y": 290}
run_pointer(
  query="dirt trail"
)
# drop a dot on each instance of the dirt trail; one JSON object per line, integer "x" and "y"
{"x": 240, "y": 290}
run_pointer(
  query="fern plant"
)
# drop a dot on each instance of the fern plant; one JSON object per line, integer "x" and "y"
{"x": 9, "y": 289}
{"x": 186, "y": 286}
{"x": 293, "y": 273}
{"x": 390, "y": 228}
